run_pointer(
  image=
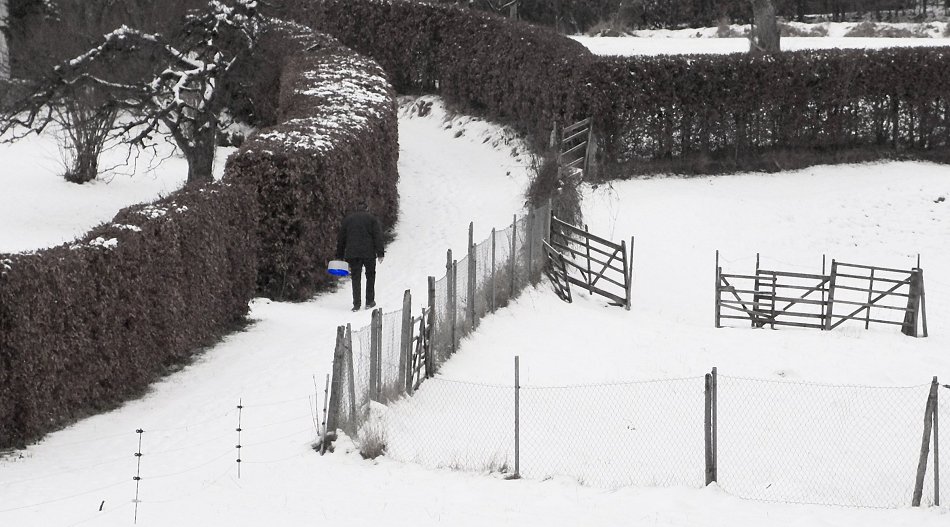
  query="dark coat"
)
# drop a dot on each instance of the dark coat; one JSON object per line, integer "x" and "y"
{"x": 360, "y": 237}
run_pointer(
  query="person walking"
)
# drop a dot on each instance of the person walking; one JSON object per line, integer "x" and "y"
{"x": 360, "y": 243}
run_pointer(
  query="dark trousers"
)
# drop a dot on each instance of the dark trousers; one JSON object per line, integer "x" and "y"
{"x": 356, "y": 271}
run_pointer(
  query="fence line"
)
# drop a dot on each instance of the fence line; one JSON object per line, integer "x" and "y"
{"x": 373, "y": 363}
{"x": 767, "y": 440}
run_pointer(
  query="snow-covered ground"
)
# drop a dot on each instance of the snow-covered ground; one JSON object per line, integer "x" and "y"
{"x": 38, "y": 208}
{"x": 705, "y": 40}
{"x": 879, "y": 213}
{"x": 884, "y": 212}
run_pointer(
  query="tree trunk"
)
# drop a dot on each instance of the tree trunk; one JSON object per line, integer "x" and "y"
{"x": 765, "y": 36}
{"x": 200, "y": 156}
{"x": 4, "y": 50}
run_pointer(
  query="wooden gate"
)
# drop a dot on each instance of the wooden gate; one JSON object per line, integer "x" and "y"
{"x": 420, "y": 364}
{"x": 773, "y": 298}
{"x": 593, "y": 263}
{"x": 575, "y": 146}
{"x": 556, "y": 271}
{"x": 876, "y": 294}
{"x": 866, "y": 293}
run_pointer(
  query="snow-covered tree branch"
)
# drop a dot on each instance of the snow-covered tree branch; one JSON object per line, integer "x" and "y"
{"x": 168, "y": 84}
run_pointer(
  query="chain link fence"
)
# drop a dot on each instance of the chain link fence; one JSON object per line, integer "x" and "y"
{"x": 776, "y": 441}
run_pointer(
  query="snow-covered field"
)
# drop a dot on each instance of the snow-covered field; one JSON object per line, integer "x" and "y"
{"x": 879, "y": 213}
{"x": 705, "y": 40}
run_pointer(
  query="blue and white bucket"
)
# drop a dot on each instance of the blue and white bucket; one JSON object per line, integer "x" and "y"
{"x": 338, "y": 268}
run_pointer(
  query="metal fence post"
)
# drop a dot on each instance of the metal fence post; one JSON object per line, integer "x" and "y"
{"x": 517, "y": 419}
{"x": 714, "y": 414}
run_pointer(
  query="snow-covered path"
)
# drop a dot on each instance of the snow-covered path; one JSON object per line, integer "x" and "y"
{"x": 83, "y": 475}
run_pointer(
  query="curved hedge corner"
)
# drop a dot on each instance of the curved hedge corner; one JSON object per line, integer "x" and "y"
{"x": 508, "y": 71}
{"x": 85, "y": 326}
{"x": 689, "y": 114}
{"x": 337, "y": 140}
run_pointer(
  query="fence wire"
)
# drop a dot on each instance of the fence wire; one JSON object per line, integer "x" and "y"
{"x": 777, "y": 441}
{"x": 615, "y": 435}
{"x": 448, "y": 424}
{"x": 456, "y": 310}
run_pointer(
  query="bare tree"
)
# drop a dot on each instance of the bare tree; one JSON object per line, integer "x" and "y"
{"x": 163, "y": 84}
{"x": 764, "y": 37}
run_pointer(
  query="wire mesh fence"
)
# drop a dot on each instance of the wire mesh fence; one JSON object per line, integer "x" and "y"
{"x": 775, "y": 441}
{"x": 374, "y": 363}
{"x": 812, "y": 443}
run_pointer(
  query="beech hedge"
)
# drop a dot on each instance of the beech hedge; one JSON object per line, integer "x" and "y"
{"x": 87, "y": 325}
{"x": 689, "y": 114}
{"x": 337, "y": 141}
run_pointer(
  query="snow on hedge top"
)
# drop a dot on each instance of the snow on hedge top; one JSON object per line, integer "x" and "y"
{"x": 338, "y": 95}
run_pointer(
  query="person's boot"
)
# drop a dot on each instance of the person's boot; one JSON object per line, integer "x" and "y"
{"x": 371, "y": 305}
{"x": 355, "y": 308}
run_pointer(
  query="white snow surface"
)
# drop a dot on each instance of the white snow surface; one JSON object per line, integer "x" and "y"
{"x": 704, "y": 40}
{"x": 38, "y": 208}
{"x": 452, "y": 171}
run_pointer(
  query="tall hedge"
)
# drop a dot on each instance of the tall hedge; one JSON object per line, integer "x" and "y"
{"x": 337, "y": 141}
{"x": 512, "y": 72}
{"x": 87, "y": 325}
{"x": 693, "y": 114}
{"x": 84, "y": 326}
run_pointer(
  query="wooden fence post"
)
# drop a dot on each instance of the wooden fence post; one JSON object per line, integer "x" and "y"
{"x": 867, "y": 314}
{"x": 449, "y": 299}
{"x": 707, "y": 430}
{"x": 376, "y": 347}
{"x": 923, "y": 304}
{"x": 714, "y": 415}
{"x": 491, "y": 303}
{"x": 455, "y": 306}
{"x": 514, "y": 245}
{"x": 718, "y": 291}
{"x": 909, "y": 327}
{"x": 405, "y": 342}
{"x": 936, "y": 429}
{"x": 429, "y": 350}
{"x": 350, "y": 377}
{"x": 830, "y": 306}
{"x": 925, "y": 443}
{"x": 333, "y": 411}
{"x": 824, "y": 291}
{"x": 626, "y": 275}
{"x": 529, "y": 243}
{"x": 472, "y": 278}
{"x": 590, "y": 280}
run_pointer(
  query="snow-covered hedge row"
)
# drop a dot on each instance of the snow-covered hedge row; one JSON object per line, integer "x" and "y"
{"x": 691, "y": 114}
{"x": 511, "y": 72}
{"x": 87, "y": 325}
{"x": 84, "y": 326}
{"x": 336, "y": 141}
